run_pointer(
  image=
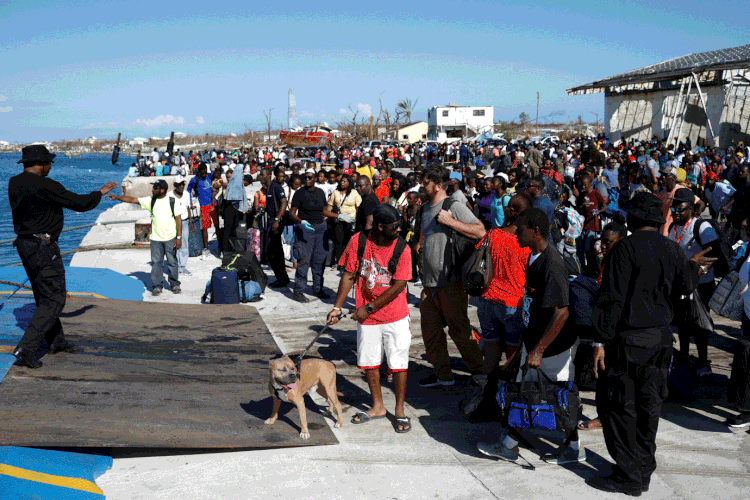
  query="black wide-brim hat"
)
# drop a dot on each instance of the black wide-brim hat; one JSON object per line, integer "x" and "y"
{"x": 37, "y": 152}
{"x": 645, "y": 206}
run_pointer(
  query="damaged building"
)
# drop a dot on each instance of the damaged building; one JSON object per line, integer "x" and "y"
{"x": 701, "y": 97}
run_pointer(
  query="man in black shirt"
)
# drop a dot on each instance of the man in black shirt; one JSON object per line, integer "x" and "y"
{"x": 370, "y": 200}
{"x": 37, "y": 204}
{"x": 643, "y": 276}
{"x": 276, "y": 206}
{"x": 545, "y": 312}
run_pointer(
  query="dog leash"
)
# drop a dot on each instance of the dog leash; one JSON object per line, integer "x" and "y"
{"x": 298, "y": 361}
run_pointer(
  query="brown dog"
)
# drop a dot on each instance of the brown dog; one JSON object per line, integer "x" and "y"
{"x": 286, "y": 385}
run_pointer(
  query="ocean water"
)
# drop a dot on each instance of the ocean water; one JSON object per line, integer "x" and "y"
{"x": 81, "y": 175}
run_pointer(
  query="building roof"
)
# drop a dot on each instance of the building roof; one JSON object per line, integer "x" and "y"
{"x": 736, "y": 57}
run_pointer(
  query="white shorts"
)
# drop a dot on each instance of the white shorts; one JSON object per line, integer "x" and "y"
{"x": 558, "y": 368}
{"x": 394, "y": 338}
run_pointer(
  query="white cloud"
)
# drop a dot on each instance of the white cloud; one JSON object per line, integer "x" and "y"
{"x": 3, "y": 98}
{"x": 362, "y": 110}
{"x": 199, "y": 120}
{"x": 102, "y": 125}
{"x": 306, "y": 114}
{"x": 6, "y": 109}
{"x": 365, "y": 109}
{"x": 161, "y": 120}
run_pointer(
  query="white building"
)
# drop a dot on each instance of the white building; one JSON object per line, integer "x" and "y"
{"x": 700, "y": 97}
{"x": 451, "y": 121}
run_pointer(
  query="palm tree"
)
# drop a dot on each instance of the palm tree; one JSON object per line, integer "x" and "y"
{"x": 404, "y": 107}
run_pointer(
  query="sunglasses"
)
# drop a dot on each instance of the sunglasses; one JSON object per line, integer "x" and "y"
{"x": 309, "y": 177}
{"x": 394, "y": 225}
{"x": 678, "y": 210}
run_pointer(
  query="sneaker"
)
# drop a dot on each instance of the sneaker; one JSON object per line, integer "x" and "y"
{"x": 176, "y": 290}
{"x": 566, "y": 456}
{"x": 433, "y": 381}
{"x": 204, "y": 254}
{"x": 704, "y": 370}
{"x": 300, "y": 297}
{"x": 156, "y": 291}
{"x": 497, "y": 450}
{"x": 741, "y": 420}
{"x": 185, "y": 272}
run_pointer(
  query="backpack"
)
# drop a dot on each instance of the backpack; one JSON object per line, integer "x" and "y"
{"x": 723, "y": 254}
{"x": 171, "y": 204}
{"x": 614, "y": 198}
{"x": 458, "y": 248}
{"x": 478, "y": 271}
{"x": 575, "y": 223}
{"x": 395, "y": 257}
{"x": 247, "y": 266}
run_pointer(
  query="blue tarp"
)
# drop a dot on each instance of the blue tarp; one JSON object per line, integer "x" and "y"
{"x": 27, "y": 473}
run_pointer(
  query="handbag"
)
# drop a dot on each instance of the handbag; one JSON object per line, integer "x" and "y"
{"x": 542, "y": 404}
{"x": 727, "y": 299}
{"x": 477, "y": 272}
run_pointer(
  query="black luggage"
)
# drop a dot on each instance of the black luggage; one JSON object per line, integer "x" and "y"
{"x": 247, "y": 266}
{"x": 739, "y": 381}
{"x": 225, "y": 286}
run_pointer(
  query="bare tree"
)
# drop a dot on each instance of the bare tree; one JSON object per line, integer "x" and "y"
{"x": 268, "y": 122}
{"x": 353, "y": 126}
{"x": 384, "y": 113}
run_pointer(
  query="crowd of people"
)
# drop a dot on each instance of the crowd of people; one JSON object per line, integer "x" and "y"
{"x": 627, "y": 216}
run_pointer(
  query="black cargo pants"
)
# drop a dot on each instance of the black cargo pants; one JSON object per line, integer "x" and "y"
{"x": 629, "y": 399}
{"x": 46, "y": 273}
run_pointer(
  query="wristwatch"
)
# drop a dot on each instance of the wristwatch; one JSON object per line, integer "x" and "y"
{"x": 277, "y": 219}
{"x": 369, "y": 308}
{"x": 179, "y": 237}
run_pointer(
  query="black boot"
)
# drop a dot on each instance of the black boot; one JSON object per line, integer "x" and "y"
{"x": 62, "y": 346}
{"x": 27, "y": 358}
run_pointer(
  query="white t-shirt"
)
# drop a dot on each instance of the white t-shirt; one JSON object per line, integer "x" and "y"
{"x": 185, "y": 200}
{"x": 690, "y": 245}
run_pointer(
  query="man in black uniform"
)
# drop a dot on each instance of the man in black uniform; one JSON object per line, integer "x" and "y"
{"x": 37, "y": 204}
{"x": 643, "y": 276}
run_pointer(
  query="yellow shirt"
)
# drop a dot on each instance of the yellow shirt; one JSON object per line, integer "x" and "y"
{"x": 351, "y": 202}
{"x": 366, "y": 170}
{"x": 163, "y": 225}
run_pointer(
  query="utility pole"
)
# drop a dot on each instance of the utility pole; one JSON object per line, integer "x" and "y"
{"x": 536, "y": 126}
{"x": 597, "y": 120}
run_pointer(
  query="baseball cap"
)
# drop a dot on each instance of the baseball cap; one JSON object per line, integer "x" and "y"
{"x": 456, "y": 175}
{"x": 160, "y": 184}
{"x": 179, "y": 180}
{"x": 683, "y": 195}
{"x": 310, "y": 171}
{"x": 670, "y": 171}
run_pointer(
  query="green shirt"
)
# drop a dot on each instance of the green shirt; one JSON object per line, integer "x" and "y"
{"x": 163, "y": 225}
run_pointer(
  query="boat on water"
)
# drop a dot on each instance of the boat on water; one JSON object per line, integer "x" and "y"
{"x": 313, "y": 135}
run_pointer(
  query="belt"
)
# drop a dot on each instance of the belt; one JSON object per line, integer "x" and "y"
{"x": 38, "y": 236}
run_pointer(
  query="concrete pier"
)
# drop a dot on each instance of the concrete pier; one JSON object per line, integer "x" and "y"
{"x": 698, "y": 456}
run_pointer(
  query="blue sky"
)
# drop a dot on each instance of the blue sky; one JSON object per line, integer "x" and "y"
{"x": 75, "y": 69}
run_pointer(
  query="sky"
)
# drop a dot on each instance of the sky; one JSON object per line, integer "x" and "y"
{"x": 76, "y": 69}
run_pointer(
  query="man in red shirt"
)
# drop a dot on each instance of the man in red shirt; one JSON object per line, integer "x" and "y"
{"x": 382, "y": 313}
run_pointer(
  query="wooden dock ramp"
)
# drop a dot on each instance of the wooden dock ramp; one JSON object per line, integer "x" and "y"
{"x": 153, "y": 375}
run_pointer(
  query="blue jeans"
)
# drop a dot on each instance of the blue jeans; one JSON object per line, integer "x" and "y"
{"x": 160, "y": 249}
{"x": 184, "y": 252}
{"x": 310, "y": 249}
{"x": 500, "y": 322}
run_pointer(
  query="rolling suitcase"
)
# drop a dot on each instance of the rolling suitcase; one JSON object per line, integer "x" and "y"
{"x": 739, "y": 381}
{"x": 225, "y": 286}
{"x": 682, "y": 379}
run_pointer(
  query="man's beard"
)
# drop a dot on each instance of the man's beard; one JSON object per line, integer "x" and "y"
{"x": 390, "y": 237}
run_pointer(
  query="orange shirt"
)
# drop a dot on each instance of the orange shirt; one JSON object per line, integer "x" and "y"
{"x": 509, "y": 263}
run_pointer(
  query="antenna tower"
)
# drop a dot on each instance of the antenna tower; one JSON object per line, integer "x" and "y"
{"x": 292, "y": 116}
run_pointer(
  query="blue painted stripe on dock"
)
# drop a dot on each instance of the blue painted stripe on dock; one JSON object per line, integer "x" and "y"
{"x": 30, "y": 473}
{"x": 6, "y": 361}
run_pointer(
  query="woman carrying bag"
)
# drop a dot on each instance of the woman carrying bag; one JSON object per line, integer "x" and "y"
{"x": 342, "y": 209}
